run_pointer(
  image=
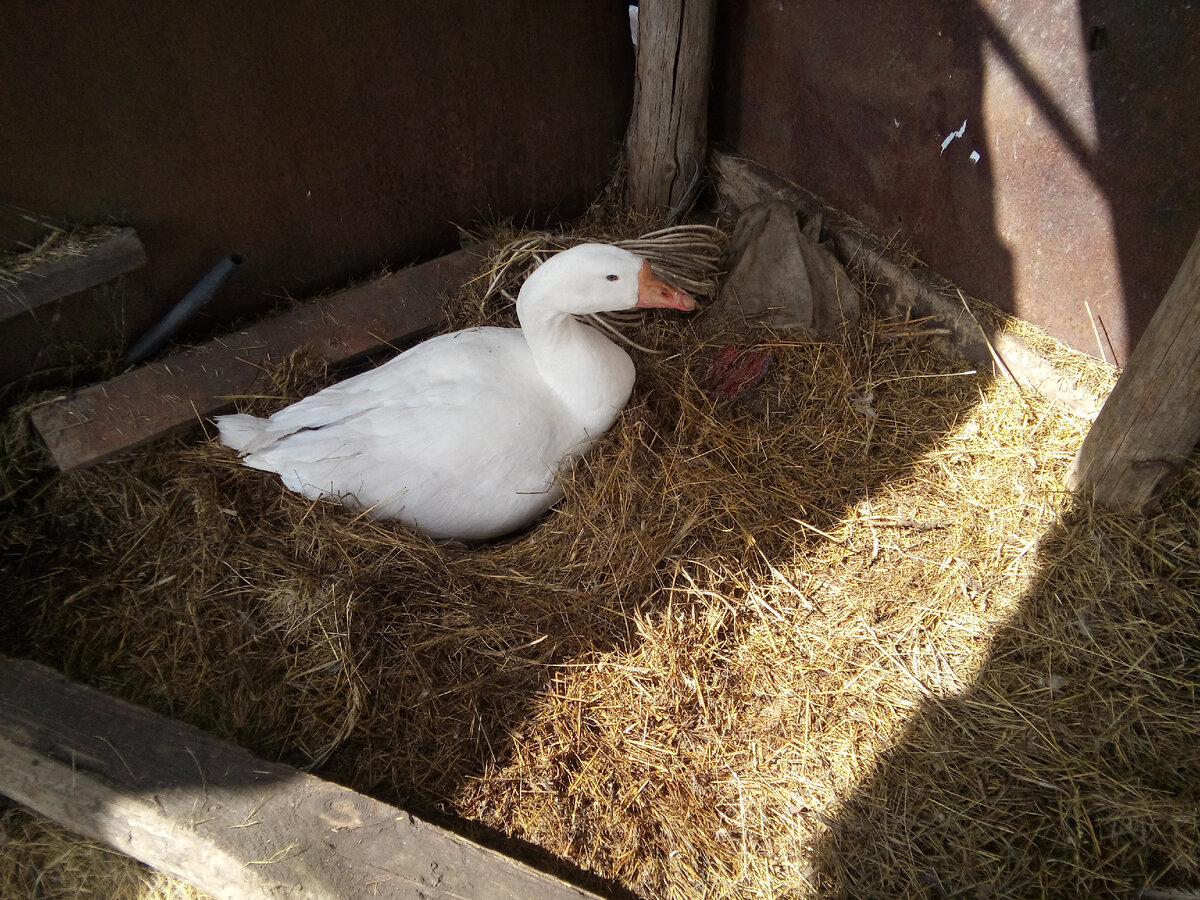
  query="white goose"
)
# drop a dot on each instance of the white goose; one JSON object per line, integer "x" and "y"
{"x": 464, "y": 436}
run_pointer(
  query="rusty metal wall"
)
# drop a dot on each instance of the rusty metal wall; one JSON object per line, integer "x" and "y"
{"x": 321, "y": 140}
{"x": 1074, "y": 187}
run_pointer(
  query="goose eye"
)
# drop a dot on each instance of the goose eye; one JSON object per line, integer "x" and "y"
{"x": 613, "y": 277}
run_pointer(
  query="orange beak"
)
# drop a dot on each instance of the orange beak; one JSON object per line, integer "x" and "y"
{"x": 654, "y": 293}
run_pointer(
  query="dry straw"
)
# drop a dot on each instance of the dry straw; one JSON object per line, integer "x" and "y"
{"x": 57, "y": 244}
{"x": 843, "y": 637}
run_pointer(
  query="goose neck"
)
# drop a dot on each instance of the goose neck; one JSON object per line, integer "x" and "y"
{"x": 590, "y": 374}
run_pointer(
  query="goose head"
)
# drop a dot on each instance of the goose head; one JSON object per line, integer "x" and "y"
{"x": 595, "y": 278}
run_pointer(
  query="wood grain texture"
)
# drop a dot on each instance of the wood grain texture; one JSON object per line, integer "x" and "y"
{"x": 669, "y": 133}
{"x": 228, "y": 823}
{"x": 50, "y": 281}
{"x": 156, "y": 399}
{"x": 1151, "y": 420}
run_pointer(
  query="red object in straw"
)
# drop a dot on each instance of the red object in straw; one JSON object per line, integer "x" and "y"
{"x": 736, "y": 371}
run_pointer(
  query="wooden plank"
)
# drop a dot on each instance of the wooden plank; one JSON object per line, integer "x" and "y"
{"x": 669, "y": 126}
{"x": 212, "y": 814}
{"x": 1151, "y": 420}
{"x": 51, "y": 281}
{"x": 146, "y": 403}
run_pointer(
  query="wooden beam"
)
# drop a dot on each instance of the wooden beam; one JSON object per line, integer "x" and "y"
{"x": 1151, "y": 421}
{"x": 215, "y": 816}
{"x": 51, "y": 281}
{"x": 669, "y": 126}
{"x": 149, "y": 402}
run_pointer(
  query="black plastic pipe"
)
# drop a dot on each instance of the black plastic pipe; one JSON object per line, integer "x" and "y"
{"x": 195, "y": 299}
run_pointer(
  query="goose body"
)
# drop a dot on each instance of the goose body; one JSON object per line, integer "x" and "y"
{"x": 464, "y": 435}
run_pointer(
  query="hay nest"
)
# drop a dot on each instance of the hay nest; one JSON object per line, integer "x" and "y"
{"x": 845, "y": 636}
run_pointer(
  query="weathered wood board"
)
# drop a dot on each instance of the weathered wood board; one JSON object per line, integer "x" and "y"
{"x": 228, "y": 823}
{"x": 153, "y": 400}
{"x": 1151, "y": 420}
{"x": 50, "y": 281}
{"x": 669, "y": 127}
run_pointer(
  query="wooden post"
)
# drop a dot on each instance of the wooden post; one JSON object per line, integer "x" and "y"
{"x": 669, "y": 128}
{"x": 1151, "y": 421}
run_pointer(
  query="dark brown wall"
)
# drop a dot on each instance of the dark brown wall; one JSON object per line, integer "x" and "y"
{"x": 319, "y": 139}
{"x": 1083, "y": 112}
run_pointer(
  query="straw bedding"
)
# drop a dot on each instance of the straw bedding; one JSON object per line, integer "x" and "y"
{"x": 842, "y": 637}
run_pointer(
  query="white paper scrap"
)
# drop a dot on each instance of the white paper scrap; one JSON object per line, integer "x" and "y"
{"x": 954, "y": 134}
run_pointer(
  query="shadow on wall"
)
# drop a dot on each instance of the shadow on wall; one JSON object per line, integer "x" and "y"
{"x": 1144, "y": 71}
{"x": 1070, "y": 196}
{"x": 868, "y": 110}
{"x": 1120, "y": 185}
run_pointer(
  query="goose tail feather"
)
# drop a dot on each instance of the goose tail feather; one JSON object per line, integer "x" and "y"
{"x": 244, "y": 433}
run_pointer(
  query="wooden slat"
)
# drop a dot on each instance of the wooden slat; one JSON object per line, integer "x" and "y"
{"x": 44, "y": 284}
{"x": 212, "y": 814}
{"x": 1151, "y": 420}
{"x": 104, "y": 420}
